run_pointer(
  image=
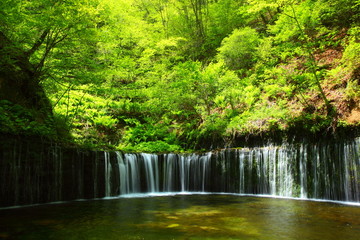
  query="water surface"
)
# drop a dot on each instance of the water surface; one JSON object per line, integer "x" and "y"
{"x": 184, "y": 217}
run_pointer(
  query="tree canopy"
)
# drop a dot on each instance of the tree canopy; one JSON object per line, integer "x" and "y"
{"x": 174, "y": 75}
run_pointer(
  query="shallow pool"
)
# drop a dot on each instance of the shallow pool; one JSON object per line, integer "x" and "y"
{"x": 184, "y": 217}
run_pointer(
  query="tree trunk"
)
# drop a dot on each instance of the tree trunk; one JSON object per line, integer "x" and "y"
{"x": 19, "y": 82}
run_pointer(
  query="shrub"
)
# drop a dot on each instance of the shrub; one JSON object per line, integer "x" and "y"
{"x": 238, "y": 50}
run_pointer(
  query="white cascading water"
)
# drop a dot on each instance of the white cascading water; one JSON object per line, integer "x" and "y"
{"x": 322, "y": 170}
{"x": 123, "y": 184}
{"x": 108, "y": 169}
{"x": 150, "y": 163}
{"x": 132, "y": 173}
{"x": 241, "y": 173}
{"x": 168, "y": 173}
{"x": 304, "y": 170}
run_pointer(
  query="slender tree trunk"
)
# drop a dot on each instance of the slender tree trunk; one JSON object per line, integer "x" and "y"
{"x": 313, "y": 65}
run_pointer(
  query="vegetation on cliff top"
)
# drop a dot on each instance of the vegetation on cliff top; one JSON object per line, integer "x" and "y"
{"x": 174, "y": 75}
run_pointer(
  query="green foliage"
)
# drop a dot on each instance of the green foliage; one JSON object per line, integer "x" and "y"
{"x": 260, "y": 120}
{"x": 224, "y": 17}
{"x": 238, "y": 50}
{"x": 352, "y": 49}
{"x": 173, "y": 75}
{"x": 342, "y": 13}
{"x": 313, "y": 123}
{"x": 352, "y": 90}
{"x": 15, "y": 119}
{"x": 350, "y": 65}
{"x": 299, "y": 21}
{"x": 152, "y": 146}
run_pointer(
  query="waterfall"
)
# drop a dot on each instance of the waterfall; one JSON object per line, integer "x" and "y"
{"x": 151, "y": 172}
{"x": 123, "y": 184}
{"x": 303, "y": 171}
{"x": 108, "y": 169}
{"x": 322, "y": 170}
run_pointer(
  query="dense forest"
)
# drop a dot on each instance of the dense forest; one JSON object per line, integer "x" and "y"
{"x": 176, "y": 75}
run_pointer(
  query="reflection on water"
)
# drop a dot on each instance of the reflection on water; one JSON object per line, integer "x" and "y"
{"x": 183, "y": 217}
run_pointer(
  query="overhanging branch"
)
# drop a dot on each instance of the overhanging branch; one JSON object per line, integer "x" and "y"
{"x": 38, "y": 43}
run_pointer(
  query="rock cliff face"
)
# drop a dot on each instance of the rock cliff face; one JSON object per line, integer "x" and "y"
{"x": 34, "y": 172}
